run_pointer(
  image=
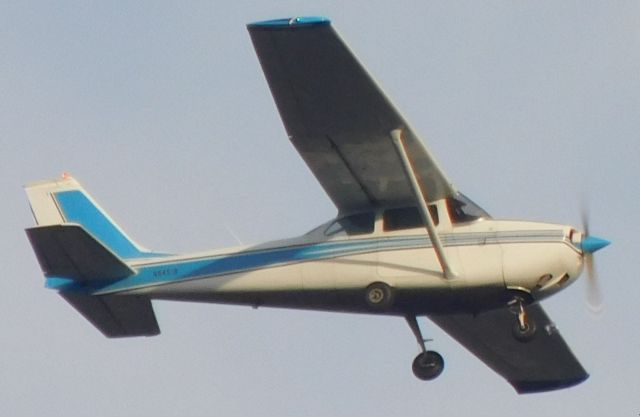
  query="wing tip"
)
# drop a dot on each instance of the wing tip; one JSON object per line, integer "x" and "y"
{"x": 532, "y": 387}
{"x": 290, "y": 22}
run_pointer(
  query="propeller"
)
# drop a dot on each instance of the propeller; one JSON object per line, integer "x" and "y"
{"x": 591, "y": 244}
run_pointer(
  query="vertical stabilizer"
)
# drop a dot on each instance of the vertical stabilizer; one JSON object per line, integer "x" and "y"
{"x": 64, "y": 201}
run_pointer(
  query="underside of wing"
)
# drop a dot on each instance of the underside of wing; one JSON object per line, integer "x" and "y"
{"x": 542, "y": 364}
{"x": 338, "y": 119}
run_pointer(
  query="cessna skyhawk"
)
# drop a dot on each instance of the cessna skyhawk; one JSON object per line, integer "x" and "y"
{"x": 405, "y": 241}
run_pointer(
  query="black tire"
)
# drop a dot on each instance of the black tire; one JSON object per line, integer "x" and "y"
{"x": 524, "y": 335}
{"x": 379, "y": 296}
{"x": 428, "y": 365}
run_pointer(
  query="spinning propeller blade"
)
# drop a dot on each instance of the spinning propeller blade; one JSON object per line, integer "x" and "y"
{"x": 590, "y": 245}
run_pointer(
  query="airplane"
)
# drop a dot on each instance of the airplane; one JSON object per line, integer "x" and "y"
{"x": 405, "y": 242}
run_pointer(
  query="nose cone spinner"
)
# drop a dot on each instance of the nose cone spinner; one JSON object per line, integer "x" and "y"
{"x": 591, "y": 244}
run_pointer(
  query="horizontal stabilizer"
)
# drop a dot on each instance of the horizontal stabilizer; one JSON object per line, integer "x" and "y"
{"x": 116, "y": 316}
{"x": 67, "y": 250}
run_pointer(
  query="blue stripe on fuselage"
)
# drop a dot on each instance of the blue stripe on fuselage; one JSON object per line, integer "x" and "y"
{"x": 162, "y": 273}
{"x": 159, "y": 272}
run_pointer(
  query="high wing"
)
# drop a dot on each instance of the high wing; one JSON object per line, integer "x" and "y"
{"x": 340, "y": 122}
{"x": 338, "y": 118}
{"x": 541, "y": 364}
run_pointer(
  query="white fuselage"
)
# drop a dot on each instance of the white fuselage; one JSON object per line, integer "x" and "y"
{"x": 490, "y": 259}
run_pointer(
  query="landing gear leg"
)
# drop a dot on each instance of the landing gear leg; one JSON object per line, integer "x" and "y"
{"x": 524, "y": 328}
{"x": 428, "y": 364}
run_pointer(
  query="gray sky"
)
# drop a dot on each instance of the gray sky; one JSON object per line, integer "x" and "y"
{"x": 162, "y": 112}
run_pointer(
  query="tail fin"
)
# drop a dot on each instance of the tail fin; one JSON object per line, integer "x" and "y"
{"x": 61, "y": 201}
{"x": 76, "y": 241}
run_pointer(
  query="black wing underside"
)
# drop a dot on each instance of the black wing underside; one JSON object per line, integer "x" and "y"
{"x": 542, "y": 364}
{"x": 339, "y": 120}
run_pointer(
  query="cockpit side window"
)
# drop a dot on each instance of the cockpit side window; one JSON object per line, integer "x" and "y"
{"x": 356, "y": 224}
{"x": 462, "y": 209}
{"x": 406, "y": 218}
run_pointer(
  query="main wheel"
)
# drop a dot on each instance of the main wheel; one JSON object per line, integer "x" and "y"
{"x": 379, "y": 296}
{"x": 428, "y": 365}
{"x": 525, "y": 334}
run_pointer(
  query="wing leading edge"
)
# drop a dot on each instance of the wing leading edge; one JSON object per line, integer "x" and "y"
{"x": 544, "y": 363}
{"x": 338, "y": 119}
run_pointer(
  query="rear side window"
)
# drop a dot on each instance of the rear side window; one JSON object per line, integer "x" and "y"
{"x": 406, "y": 218}
{"x": 356, "y": 224}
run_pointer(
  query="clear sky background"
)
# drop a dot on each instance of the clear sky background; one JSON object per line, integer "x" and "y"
{"x": 161, "y": 110}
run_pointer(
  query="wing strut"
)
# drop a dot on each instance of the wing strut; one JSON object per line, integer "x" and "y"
{"x": 421, "y": 198}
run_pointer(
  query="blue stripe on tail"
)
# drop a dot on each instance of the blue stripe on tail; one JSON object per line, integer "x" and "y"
{"x": 76, "y": 207}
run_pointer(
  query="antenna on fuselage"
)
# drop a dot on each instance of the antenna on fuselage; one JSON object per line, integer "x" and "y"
{"x": 237, "y": 239}
{"x": 421, "y": 198}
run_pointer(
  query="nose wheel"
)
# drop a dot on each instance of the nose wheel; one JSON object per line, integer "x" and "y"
{"x": 428, "y": 365}
{"x": 524, "y": 328}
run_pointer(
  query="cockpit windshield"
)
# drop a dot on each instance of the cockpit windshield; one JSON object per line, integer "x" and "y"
{"x": 355, "y": 224}
{"x": 462, "y": 209}
{"x": 351, "y": 225}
